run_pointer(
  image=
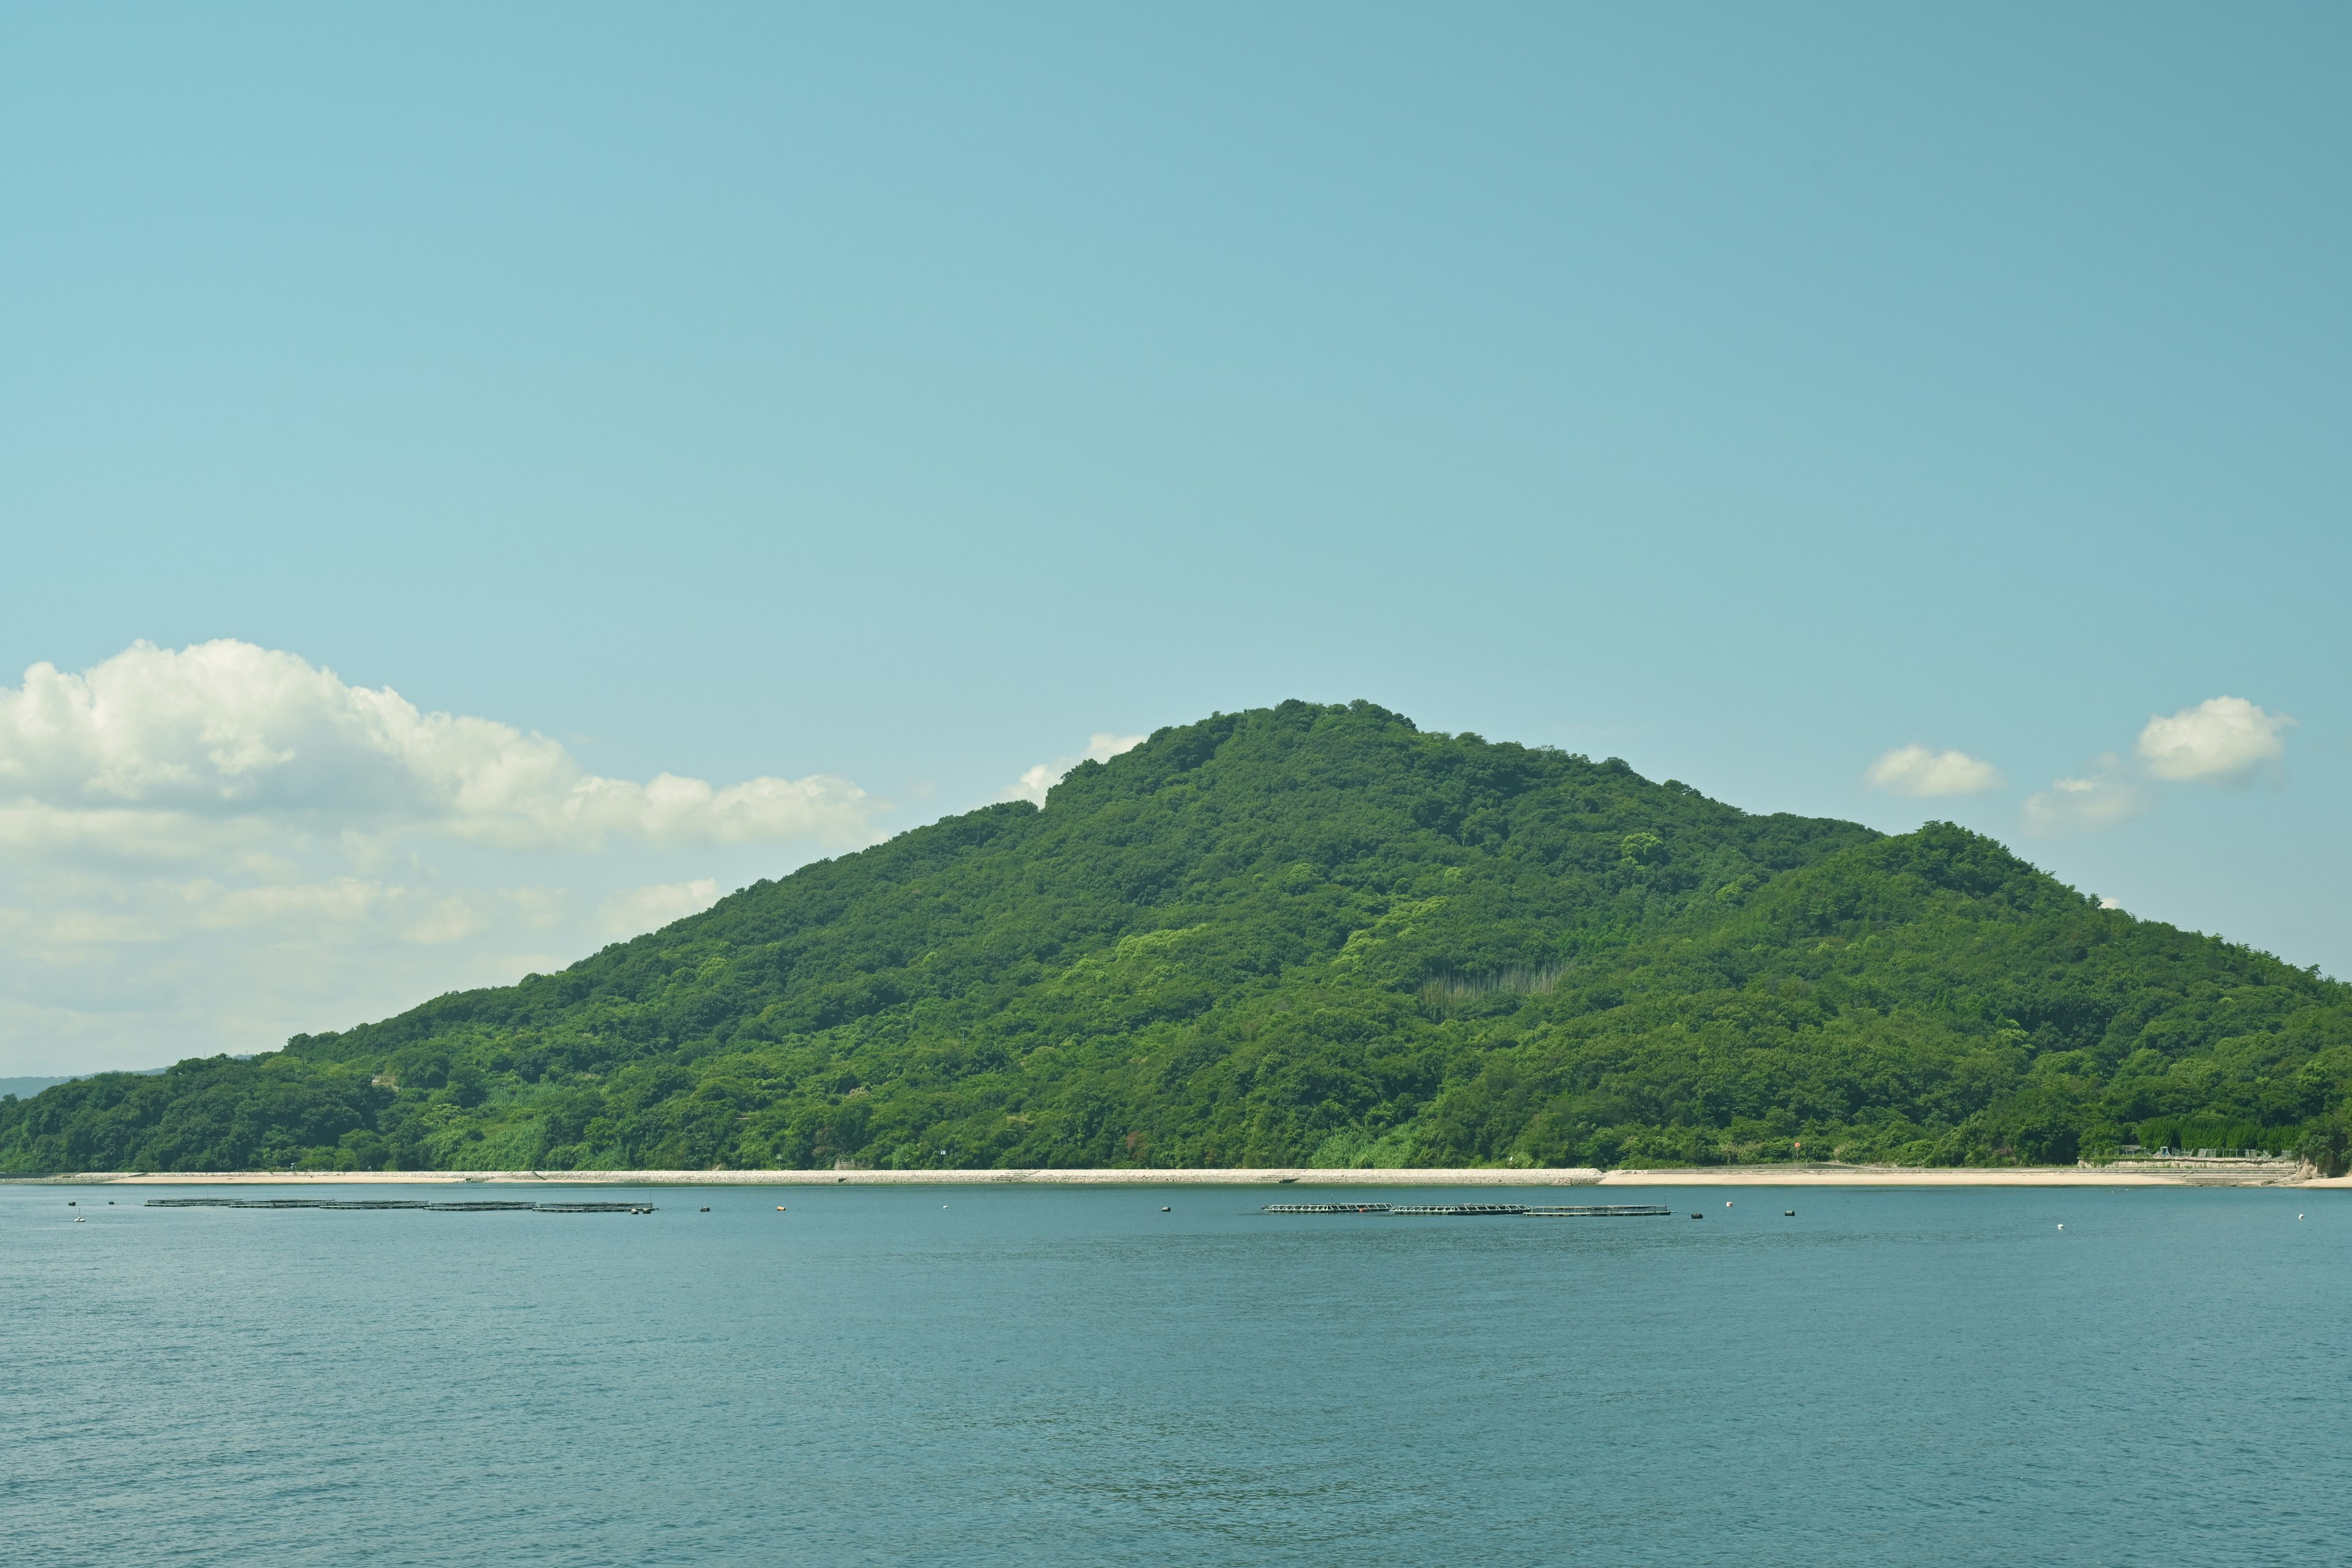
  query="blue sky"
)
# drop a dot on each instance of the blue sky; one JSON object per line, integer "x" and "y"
{"x": 904, "y": 398}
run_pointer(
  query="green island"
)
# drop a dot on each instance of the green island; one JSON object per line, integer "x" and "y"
{"x": 1310, "y": 935}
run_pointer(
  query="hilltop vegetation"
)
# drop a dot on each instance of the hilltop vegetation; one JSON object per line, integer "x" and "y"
{"x": 1308, "y": 935}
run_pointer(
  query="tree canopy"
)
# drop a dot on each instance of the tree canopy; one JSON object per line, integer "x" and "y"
{"x": 1312, "y": 935}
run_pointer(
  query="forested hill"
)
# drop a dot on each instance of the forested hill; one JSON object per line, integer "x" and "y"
{"x": 1308, "y": 935}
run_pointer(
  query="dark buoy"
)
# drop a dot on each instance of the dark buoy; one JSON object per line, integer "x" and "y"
{"x": 69, "y": 1203}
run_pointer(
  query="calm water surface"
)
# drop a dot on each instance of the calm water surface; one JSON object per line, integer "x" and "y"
{"x": 1039, "y": 1376}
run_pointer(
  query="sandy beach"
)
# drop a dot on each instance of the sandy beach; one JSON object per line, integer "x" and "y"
{"x": 2274, "y": 1174}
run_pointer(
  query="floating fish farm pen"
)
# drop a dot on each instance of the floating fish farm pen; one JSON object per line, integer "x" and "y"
{"x": 1531, "y": 1211}
{"x": 481, "y": 1207}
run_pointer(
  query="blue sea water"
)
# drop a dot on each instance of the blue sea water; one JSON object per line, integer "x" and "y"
{"x": 1047, "y": 1376}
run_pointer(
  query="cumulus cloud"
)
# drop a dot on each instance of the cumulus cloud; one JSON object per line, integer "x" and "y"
{"x": 1919, "y": 772}
{"x": 2224, "y": 739}
{"x": 155, "y": 740}
{"x": 649, "y": 909}
{"x": 2102, "y": 798}
{"x": 210, "y": 848}
{"x": 2221, "y": 741}
{"x": 1035, "y": 785}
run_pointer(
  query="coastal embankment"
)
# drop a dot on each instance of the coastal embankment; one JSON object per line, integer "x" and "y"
{"x": 2246, "y": 1173}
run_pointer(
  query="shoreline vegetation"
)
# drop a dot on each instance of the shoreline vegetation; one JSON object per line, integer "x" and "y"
{"x": 1311, "y": 937}
{"x": 2267, "y": 1173}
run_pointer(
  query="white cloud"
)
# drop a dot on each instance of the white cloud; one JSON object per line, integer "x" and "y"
{"x": 155, "y": 745}
{"x": 2101, "y": 799}
{"x": 650, "y": 908}
{"x": 2223, "y": 740}
{"x": 211, "y": 849}
{"x": 1916, "y": 771}
{"x": 1035, "y": 784}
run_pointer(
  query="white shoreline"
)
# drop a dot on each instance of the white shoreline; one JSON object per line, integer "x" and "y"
{"x": 1706, "y": 1177}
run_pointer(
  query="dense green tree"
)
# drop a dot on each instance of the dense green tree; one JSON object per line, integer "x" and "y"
{"x": 1309, "y": 934}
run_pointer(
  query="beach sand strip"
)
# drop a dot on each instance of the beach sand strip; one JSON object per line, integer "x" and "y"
{"x": 2268, "y": 1175}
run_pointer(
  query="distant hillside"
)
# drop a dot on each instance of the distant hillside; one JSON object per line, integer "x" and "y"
{"x": 25, "y": 1088}
{"x": 1308, "y": 935}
